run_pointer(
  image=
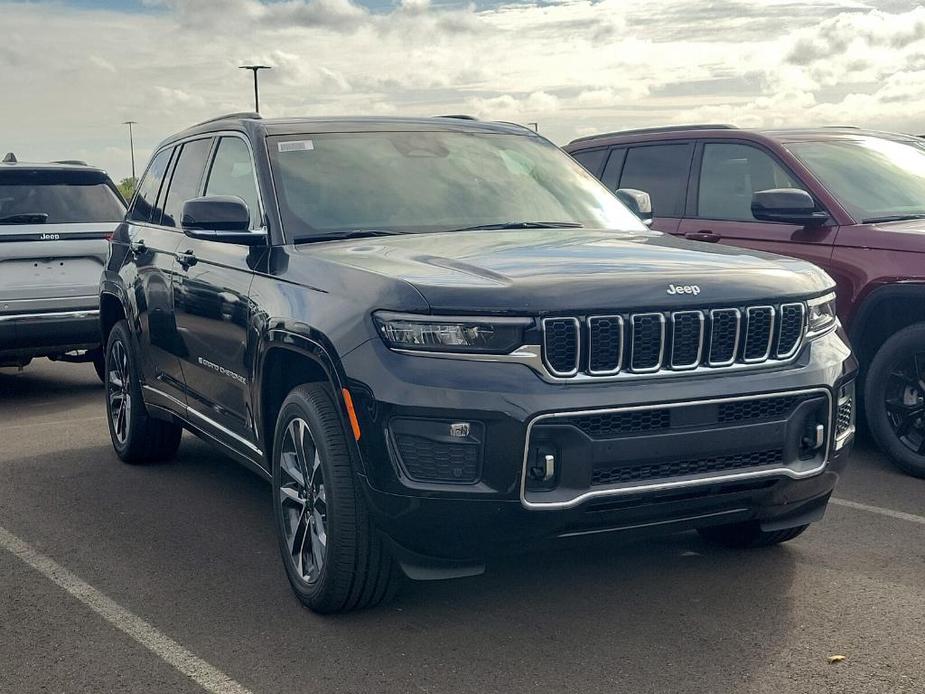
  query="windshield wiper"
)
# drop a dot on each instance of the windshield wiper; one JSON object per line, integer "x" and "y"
{"x": 523, "y": 225}
{"x": 892, "y": 218}
{"x": 25, "y": 218}
{"x": 353, "y": 234}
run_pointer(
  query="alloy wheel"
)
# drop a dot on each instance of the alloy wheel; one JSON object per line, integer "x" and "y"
{"x": 303, "y": 501}
{"x": 905, "y": 402}
{"x": 118, "y": 389}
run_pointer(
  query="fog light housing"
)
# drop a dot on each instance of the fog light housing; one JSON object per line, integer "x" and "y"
{"x": 438, "y": 451}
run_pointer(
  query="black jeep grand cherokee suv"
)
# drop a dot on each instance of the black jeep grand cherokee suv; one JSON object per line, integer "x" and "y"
{"x": 443, "y": 339}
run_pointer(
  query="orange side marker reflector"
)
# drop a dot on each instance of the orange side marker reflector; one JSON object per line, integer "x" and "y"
{"x": 351, "y": 413}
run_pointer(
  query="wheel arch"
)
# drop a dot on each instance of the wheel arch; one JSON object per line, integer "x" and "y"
{"x": 883, "y": 312}
{"x": 288, "y": 360}
{"x": 112, "y": 310}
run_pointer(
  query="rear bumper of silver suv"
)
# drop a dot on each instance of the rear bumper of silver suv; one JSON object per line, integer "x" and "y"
{"x": 32, "y": 333}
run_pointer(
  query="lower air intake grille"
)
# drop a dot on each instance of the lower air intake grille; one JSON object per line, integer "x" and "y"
{"x": 610, "y": 424}
{"x": 695, "y": 466}
{"x": 843, "y": 419}
{"x": 426, "y": 460}
{"x": 764, "y": 408}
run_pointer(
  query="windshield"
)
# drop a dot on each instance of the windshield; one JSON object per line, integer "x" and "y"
{"x": 50, "y": 197}
{"x": 332, "y": 183}
{"x": 875, "y": 179}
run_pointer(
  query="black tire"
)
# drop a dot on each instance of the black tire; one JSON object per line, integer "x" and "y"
{"x": 99, "y": 364}
{"x": 136, "y": 436}
{"x": 356, "y": 570}
{"x": 894, "y": 399}
{"x": 747, "y": 535}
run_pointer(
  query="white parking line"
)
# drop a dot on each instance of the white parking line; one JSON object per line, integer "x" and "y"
{"x": 911, "y": 517}
{"x": 208, "y": 677}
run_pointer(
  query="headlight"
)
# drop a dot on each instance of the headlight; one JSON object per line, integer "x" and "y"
{"x": 439, "y": 334}
{"x": 821, "y": 316}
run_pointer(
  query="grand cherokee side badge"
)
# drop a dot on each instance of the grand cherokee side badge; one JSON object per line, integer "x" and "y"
{"x": 684, "y": 289}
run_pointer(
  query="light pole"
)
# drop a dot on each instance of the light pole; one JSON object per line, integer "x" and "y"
{"x": 255, "y": 69}
{"x": 131, "y": 144}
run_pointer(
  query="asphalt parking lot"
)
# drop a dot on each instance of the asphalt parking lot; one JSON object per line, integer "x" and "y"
{"x": 109, "y": 573}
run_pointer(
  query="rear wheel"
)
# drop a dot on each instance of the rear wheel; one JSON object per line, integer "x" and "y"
{"x": 136, "y": 436}
{"x": 748, "y": 534}
{"x": 894, "y": 399}
{"x": 334, "y": 557}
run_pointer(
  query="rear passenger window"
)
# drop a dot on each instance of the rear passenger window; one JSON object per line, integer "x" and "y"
{"x": 144, "y": 206}
{"x": 730, "y": 174}
{"x": 186, "y": 179}
{"x": 662, "y": 172}
{"x": 592, "y": 160}
{"x": 233, "y": 174}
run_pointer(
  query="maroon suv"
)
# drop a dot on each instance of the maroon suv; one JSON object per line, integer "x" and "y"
{"x": 849, "y": 200}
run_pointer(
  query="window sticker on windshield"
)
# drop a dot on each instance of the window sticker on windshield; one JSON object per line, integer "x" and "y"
{"x": 296, "y": 146}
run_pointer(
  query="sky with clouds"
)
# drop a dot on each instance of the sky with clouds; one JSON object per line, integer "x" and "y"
{"x": 72, "y": 71}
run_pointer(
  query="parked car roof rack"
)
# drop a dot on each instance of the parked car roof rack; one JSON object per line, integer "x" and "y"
{"x": 251, "y": 115}
{"x": 659, "y": 129}
{"x": 459, "y": 116}
{"x": 71, "y": 162}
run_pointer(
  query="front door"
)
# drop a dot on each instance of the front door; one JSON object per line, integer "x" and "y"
{"x": 729, "y": 174}
{"x": 212, "y": 308}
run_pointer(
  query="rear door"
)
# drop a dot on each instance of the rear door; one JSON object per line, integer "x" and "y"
{"x": 726, "y": 176}
{"x": 54, "y": 226}
{"x": 659, "y": 169}
{"x": 211, "y": 300}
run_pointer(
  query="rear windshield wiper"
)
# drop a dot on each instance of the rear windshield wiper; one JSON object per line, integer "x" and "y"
{"x": 353, "y": 234}
{"x": 892, "y": 218}
{"x": 25, "y": 218}
{"x": 523, "y": 225}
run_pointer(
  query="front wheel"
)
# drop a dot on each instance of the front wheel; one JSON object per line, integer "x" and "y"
{"x": 334, "y": 557}
{"x": 748, "y": 534}
{"x": 894, "y": 399}
{"x": 136, "y": 436}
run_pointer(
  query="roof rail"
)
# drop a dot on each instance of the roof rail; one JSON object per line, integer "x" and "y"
{"x": 458, "y": 116}
{"x": 842, "y": 127}
{"x": 71, "y": 162}
{"x": 10, "y": 158}
{"x": 660, "y": 129}
{"x": 251, "y": 115}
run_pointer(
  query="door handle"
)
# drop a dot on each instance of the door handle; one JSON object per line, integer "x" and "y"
{"x": 187, "y": 259}
{"x": 703, "y": 235}
{"x": 138, "y": 248}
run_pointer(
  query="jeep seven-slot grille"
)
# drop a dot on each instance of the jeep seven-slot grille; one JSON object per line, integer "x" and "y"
{"x": 646, "y": 343}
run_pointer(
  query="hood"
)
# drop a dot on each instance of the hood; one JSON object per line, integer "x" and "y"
{"x": 540, "y": 271}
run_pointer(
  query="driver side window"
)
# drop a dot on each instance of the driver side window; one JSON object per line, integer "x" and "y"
{"x": 232, "y": 173}
{"x": 730, "y": 174}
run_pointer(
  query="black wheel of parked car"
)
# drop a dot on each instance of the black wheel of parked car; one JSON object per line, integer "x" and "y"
{"x": 748, "y": 534}
{"x": 894, "y": 399}
{"x": 99, "y": 364}
{"x": 136, "y": 436}
{"x": 334, "y": 557}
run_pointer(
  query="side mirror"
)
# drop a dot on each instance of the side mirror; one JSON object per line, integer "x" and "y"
{"x": 639, "y": 203}
{"x": 788, "y": 205}
{"x": 221, "y": 218}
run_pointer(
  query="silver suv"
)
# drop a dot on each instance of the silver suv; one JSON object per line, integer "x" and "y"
{"x": 55, "y": 223}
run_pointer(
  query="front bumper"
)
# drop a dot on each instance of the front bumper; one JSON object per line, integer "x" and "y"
{"x": 495, "y": 509}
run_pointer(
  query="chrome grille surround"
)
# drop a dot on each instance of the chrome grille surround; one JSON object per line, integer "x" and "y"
{"x": 753, "y": 328}
{"x": 638, "y": 322}
{"x": 733, "y": 337}
{"x": 675, "y": 329}
{"x": 595, "y": 320}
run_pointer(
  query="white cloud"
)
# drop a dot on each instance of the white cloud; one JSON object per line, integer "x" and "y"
{"x": 573, "y": 66}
